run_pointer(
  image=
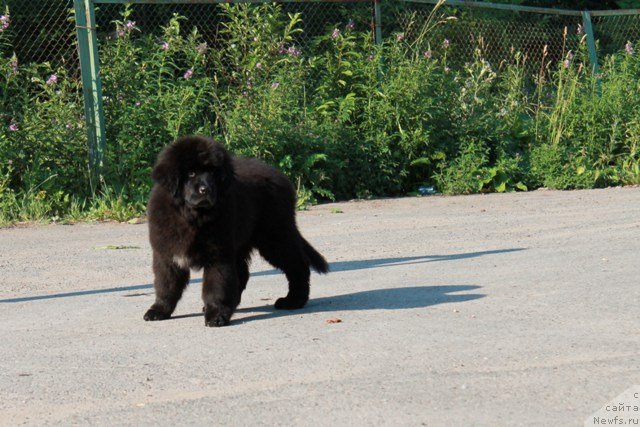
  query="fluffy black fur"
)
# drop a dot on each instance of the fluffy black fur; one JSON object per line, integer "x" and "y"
{"x": 210, "y": 210}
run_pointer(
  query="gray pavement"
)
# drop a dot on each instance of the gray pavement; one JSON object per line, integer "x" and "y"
{"x": 501, "y": 309}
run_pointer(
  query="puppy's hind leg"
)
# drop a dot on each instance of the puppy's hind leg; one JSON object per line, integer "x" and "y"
{"x": 298, "y": 295}
{"x": 287, "y": 255}
{"x": 169, "y": 283}
{"x": 242, "y": 266}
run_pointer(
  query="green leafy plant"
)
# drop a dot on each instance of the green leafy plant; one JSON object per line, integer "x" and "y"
{"x": 341, "y": 116}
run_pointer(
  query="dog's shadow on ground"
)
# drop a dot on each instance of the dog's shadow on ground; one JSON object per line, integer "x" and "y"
{"x": 338, "y": 266}
{"x": 376, "y": 299}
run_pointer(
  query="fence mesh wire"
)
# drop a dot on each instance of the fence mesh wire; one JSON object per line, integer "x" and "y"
{"x": 317, "y": 19}
{"x": 44, "y": 31}
{"x": 613, "y": 32}
{"x": 500, "y": 33}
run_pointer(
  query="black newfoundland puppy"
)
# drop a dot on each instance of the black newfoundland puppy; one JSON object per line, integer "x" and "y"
{"x": 210, "y": 210}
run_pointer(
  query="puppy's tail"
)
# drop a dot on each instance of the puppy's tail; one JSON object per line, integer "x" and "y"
{"x": 318, "y": 263}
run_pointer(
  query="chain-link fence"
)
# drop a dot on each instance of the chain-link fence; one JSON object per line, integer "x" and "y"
{"x": 317, "y": 17}
{"x": 44, "y": 30}
{"x": 498, "y": 33}
{"x": 614, "y": 31}
{"x": 502, "y": 31}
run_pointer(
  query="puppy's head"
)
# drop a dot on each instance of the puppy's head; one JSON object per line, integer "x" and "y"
{"x": 195, "y": 170}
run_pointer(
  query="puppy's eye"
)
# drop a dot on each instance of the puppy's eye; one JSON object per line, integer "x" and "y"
{"x": 191, "y": 174}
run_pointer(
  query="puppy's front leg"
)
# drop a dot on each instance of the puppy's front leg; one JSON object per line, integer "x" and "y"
{"x": 220, "y": 293}
{"x": 169, "y": 283}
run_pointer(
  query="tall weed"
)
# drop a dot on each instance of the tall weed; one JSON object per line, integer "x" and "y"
{"x": 341, "y": 116}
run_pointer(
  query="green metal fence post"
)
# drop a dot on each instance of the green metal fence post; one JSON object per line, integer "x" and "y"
{"x": 91, "y": 87}
{"x": 591, "y": 41}
{"x": 377, "y": 21}
{"x": 377, "y": 35}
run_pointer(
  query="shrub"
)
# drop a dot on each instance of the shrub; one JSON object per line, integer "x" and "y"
{"x": 341, "y": 116}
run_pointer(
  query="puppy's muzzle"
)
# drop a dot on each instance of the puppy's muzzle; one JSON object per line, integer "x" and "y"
{"x": 200, "y": 195}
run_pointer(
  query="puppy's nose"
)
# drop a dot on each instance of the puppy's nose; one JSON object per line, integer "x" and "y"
{"x": 203, "y": 189}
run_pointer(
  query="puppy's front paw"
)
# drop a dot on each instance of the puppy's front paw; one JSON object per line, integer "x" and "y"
{"x": 290, "y": 303}
{"x": 214, "y": 316}
{"x": 155, "y": 314}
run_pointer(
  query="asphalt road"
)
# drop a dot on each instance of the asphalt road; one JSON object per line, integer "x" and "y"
{"x": 513, "y": 309}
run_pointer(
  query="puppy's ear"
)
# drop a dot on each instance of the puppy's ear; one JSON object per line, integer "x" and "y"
{"x": 166, "y": 173}
{"x": 225, "y": 168}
